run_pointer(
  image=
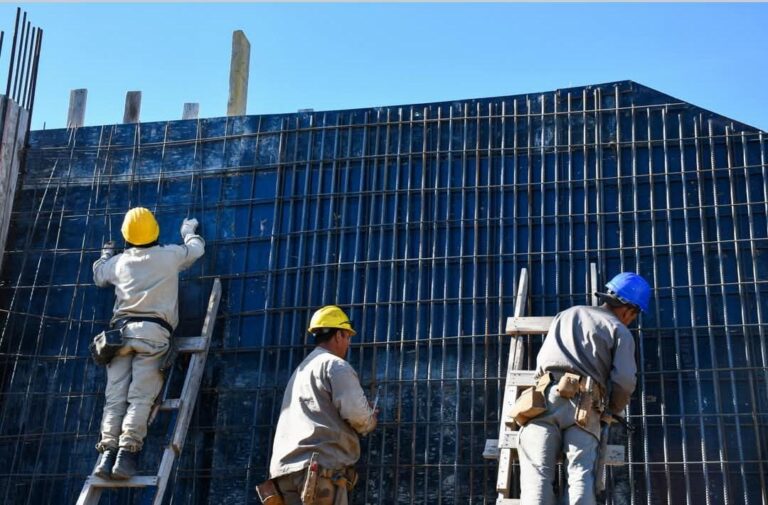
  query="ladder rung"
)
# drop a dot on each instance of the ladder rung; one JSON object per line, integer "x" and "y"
{"x": 521, "y": 378}
{"x": 508, "y": 501}
{"x": 189, "y": 344}
{"x": 171, "y": 404}
{"x": 528, "y": 325}
{"x": 614, "y": 456}
{"x": 136, "y": 481}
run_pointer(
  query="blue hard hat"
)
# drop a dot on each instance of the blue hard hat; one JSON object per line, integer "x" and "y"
{"x": 630, "y": 288}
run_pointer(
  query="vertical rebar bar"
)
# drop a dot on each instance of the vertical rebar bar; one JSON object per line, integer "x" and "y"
{"x": 13, "y": 53}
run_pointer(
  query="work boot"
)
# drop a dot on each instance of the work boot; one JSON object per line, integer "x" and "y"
{"x": 126, "y": 464}
{"x": 105, "y": 463}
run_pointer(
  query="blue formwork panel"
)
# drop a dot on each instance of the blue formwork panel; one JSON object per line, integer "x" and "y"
{"x": 417, "y": 219}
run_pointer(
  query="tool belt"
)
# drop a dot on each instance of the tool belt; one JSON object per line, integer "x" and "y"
{"x": 122, "y": 322}
{"x": 108, "y": 343}
{"x": 344, "y": 477}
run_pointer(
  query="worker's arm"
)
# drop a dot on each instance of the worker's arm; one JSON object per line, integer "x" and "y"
{"x": 194, "y": 245}
{"x": 349, "y": 398}
{"x": 104, "y": 267}
{"x": 623, "y": 371}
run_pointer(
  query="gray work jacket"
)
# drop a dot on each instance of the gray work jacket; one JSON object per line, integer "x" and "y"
{"x": 146, "y": 279}
{"x": 591, "y": 341}
{"x": 324, "y": 410}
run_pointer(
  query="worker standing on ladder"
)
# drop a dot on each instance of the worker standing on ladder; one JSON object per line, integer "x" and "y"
{"x": 146, "y": 281}
{"x": 324, "y": 412}
{"x": 586, "y": 364}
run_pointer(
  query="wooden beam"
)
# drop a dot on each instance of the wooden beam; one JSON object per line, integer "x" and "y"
{"x": 191, "y": 111}
{"x": 76, "y": 114}
{"x": 12, "y": 135}
{"x": 528, "y": 325}
{"x": 132, "y": 107}
{"x": 238, "y": 74}
{"x": 135, "y": 481}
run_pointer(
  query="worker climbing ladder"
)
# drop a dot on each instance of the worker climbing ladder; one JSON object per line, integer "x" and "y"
{"x": 185, "y": 404}
{"x": 517, "y": 379}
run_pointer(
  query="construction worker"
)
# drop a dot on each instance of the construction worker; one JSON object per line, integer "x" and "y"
{"x": 146, "y": 281}
{"x": 585, "y": 366}
{"x": 324, "y": 412}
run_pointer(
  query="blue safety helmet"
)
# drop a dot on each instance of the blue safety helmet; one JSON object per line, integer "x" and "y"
{"x": 629, "y": 288}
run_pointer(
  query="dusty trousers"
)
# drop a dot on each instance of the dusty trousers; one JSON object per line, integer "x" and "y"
{"x": 540, "y": 442}
{"x": 133, "y": 382}
{"x": 327, "y": 492}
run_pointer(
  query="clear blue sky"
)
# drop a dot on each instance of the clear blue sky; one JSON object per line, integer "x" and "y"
{"x": 338, "y": 56}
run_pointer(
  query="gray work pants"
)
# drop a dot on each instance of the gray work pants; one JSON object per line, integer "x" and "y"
{"x": 327, "y": 492}
{"x": 540, "y": 442}
{"x": 133, "y": 382}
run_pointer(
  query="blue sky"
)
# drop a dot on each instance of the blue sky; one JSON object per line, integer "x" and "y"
{"x": 338, "y": 56}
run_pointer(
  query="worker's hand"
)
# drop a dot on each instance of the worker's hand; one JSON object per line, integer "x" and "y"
{"x": 108, "y": 250}
{"x": 188, "y": 227}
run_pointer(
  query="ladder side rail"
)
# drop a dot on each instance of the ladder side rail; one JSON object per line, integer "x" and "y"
{"x": 515, "y": 362}
{"x": 188, "y": 395}
{"x": 195, "y": 371}
{"x": 89, "y": 495}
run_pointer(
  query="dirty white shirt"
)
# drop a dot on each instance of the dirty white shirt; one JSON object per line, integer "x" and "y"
{"x": 592, "y": 341}
{"x": 324, "y": 410}
{"x": 146, "y": 280}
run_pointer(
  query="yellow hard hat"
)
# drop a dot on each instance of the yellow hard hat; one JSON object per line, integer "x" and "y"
{"x": 140, "y": 227}
{"x": 330, "y": 316}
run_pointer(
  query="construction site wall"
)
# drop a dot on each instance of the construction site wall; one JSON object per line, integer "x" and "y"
{"x": 417, "y": 220}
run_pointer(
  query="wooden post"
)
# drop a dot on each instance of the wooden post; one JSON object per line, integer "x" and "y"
{"x": 238, "y": 74}
{"x": 191, "y": 111}
{"x": 132, "y": 107}
{"x": 14, "y": 122}
{"x": 76, "y": 114}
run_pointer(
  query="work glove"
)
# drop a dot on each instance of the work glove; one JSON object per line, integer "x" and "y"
{"x": 188, "y": 227}
{"x": 108, "y": 250}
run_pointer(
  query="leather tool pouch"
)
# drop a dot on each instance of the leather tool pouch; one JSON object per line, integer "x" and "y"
{"x": 531, "y": 403}
{"x": 584, "y": 409}
{"x": 105, "y": 346}
{"x": 568, "y": 386}
{"x": 269, "y": 494}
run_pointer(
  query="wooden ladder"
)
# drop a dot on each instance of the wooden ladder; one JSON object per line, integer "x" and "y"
{"x": 185, "y": 404}
{"x": 505, "y": 447}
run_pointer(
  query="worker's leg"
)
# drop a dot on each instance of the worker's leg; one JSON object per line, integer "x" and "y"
{"x": 150, "y": 343}
{"x": 581, "y": 451}
{"x": 538, "y": 445}
{"x": 116, "y": 398}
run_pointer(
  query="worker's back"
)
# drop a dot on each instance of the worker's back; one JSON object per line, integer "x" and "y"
{"x": 146, "y": 279}
{"x": 590, "y": 341}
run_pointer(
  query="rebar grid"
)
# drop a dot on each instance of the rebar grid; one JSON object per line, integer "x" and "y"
{"x": 416, "y": 219}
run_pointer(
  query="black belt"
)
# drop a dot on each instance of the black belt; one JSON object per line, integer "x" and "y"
{"x": 120, "y": 323}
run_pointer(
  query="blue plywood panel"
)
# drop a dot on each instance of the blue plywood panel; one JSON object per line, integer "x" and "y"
{"x": 417, "y": 219}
